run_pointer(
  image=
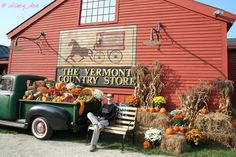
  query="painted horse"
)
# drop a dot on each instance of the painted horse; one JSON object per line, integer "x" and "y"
{"x": 77, "y": 50}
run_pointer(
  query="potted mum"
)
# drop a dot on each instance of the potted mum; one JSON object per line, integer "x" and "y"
{"x": 194, "y": 137}
{"x": 154, "y": 136}
{"x": 158, "y": 101}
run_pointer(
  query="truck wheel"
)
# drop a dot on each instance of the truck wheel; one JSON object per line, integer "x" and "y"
{"x": 41, "y": 128}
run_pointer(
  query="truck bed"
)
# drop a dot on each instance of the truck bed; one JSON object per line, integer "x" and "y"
{"x": 72, "y": 108}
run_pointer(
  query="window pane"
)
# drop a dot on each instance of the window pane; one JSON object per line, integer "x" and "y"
{"x": 107, "y": 3}
{"x": 83, "y": 13}
{"x": 89, "y": 19}
{"x": 112, "y": 17}
{"x": 100, "y": 11}
{"x": 99, "y": 18}
{"x": 113, "y": 2}
{"x": 106, "y": 18}
{"x": 101, "y": 4}
{"x": 82, "y": 20}
{"x": 94, "y": 18}
{"x": 106, "y": 10}
{"x": 95, "y": 4}
{"x": 112, "y": 10}
{"x": 89, "y": 12}
{"x": 84, "y": 6}
{"x": 95, "y": 11}
{"x": 90, "y": 5}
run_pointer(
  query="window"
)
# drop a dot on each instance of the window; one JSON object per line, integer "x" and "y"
{"x": 97, "y": 11}
{"x": 6, "y": 84}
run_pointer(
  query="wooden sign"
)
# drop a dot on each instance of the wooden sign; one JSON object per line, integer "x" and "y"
{"x": 96, "y": 76}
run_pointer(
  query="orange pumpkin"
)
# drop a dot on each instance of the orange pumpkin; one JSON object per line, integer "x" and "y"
{"x": 204, "y": 111}
{"x": 146, "y": 144}
{"x": 157, "y": 109}
{"x": 176, "y": 128}
{"x": 42, "y": 90}
{"x": 151, "y": 109}
{"x": 169, "y": 131}
{"x": 182, "y": 129}
{"x": 163, "y": 110}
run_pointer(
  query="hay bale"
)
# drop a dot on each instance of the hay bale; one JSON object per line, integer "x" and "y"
{"x": 154, "y": 120}
{"x": 233, "y": 142}
{"x": 214, "y": 123}
{"x": 218, "y": 139}
{"x": 174, "y": 143}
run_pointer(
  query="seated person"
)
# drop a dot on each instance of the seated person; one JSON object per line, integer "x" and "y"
{"x": 106, "y": 113}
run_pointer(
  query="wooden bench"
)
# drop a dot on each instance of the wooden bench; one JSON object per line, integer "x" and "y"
{"x": 123, "y": 122}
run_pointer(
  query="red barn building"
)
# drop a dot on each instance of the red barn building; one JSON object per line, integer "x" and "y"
{"x": 85, "y": 40}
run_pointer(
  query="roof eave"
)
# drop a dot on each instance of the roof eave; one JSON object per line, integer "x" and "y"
{"x": 206, "y": 10}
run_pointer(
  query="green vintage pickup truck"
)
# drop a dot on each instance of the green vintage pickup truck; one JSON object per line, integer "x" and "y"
{"x": 42, "y": 117}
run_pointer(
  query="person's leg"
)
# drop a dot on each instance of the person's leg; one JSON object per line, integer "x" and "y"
{"x": 95, "y": 137}
{"x": 92, "y": 118}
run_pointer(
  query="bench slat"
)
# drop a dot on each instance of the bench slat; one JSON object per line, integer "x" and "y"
{"x": 125, "y": 117}
{"x": 127, "y": 108}
{"x": 127, "y": 113}
{"x": 122, "y": 122}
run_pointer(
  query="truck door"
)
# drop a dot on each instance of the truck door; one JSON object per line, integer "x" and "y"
{"x": 5, "y": 95}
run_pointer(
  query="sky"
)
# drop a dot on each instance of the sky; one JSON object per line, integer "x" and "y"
{"x": 14, "y": 12}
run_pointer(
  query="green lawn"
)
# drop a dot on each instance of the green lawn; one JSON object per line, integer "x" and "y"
{"x": 109, "y": 141}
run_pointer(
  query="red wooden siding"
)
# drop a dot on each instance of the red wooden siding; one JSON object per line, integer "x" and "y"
{"x": 232, "y": 71}
{"x": 193, "y": 46}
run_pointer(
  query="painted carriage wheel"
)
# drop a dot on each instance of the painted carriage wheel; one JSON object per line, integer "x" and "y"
{"x": 41, "y": 128}
{"x": 99, "y": 57}
{"x": 115, "y": 56}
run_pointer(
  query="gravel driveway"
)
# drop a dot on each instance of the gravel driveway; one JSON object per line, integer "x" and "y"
{"x": 22, "y": 145}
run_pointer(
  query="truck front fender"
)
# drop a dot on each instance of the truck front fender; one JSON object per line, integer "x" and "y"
{"x": 58, "y": 118}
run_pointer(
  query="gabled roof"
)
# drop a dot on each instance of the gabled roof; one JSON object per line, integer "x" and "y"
{"x": 4, "y": 52}
{"x": 34, "y": 18}
{"x": 206, "y": 10}
{"x": 188, "y": 4}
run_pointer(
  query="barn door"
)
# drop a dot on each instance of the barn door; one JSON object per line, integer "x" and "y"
{"x": 232, "y": 71}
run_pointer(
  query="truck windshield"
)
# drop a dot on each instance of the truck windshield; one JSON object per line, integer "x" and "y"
{"x": 6, "y": 84}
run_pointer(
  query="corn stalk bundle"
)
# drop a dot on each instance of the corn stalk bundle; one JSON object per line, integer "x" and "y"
{"x": 226, "y": 90}
{"x": 193, "y": 100}
{"x": 147, "y": 82}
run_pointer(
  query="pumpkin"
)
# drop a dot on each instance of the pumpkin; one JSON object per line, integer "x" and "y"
{"x": 157, "y": 109}
{"x": 176, "y": 128}
{"x": 163, "y": 110}
{"x": 151, "y": 109}
{"x": 146, "y": 144}
{"x": 169, "y": 131}
{"x": 204, "y": 111}
{"x": 43, "y": 90}
{"x": 182, "y": 129}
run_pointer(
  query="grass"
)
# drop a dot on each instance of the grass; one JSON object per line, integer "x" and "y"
{"x": 109, "y": 141}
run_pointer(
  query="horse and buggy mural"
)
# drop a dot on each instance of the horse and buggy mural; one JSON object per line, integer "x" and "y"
{"x": 108, "y": 44}
{"x": 98, "y": 46}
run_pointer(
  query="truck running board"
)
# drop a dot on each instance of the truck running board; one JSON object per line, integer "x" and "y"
{"x": 13, "y": 124}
